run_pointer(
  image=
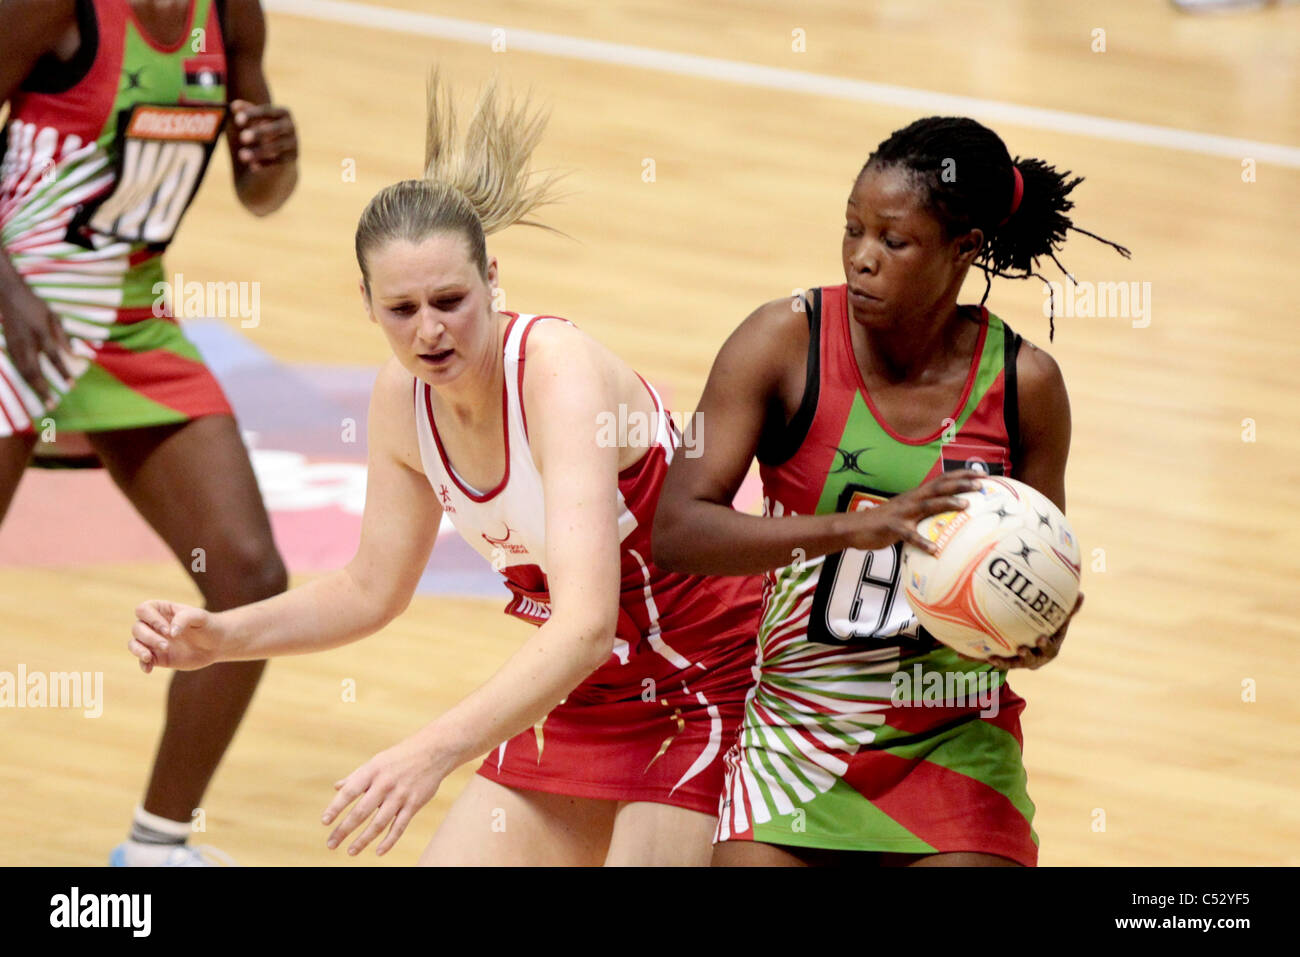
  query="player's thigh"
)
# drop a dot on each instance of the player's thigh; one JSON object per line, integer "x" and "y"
{"x": 950, "y": 859}
{"x": 754, "y": 854}
{"x": 491, "y": 824}
{"x": 194, "y": 484}
{"x": 650, "y": 834}
{"x": 15, "y": 453}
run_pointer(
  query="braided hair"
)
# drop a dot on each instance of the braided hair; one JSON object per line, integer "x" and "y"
{"x": 969, "y": 181}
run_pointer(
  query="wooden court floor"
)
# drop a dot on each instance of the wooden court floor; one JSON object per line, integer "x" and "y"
{"x": 1166, "y": 734}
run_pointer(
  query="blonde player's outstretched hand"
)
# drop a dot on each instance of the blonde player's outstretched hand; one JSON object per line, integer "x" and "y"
{"x": 174, "y": 636}
{"x": 393, "y": 786}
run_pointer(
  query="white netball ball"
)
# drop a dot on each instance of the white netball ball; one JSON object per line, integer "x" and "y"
{"x": 1006, "y": 573}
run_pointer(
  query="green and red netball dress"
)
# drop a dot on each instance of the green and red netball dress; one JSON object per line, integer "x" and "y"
{"x": 827, "y": 758}
{"x": 102, "y": 156}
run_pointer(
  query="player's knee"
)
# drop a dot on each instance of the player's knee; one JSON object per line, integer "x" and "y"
{"x": 242, "y": 573}
{"x": 262, "y": 574}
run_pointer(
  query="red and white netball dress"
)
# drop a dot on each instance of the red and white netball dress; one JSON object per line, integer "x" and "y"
{"x": 652, "y": 723}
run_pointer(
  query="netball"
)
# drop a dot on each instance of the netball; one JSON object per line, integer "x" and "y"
{"x": 1005, "y": 575}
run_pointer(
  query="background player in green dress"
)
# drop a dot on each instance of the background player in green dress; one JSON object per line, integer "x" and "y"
{"x": 869, "y": 406}
{"x": 115, "y": 107}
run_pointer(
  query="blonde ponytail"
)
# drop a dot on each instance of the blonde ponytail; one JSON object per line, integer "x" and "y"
{"x": 474, "y": 187}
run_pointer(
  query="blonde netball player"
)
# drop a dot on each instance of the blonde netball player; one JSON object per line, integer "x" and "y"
{"x": 493, "y": 419}
{"x": 93, "y": 86}
{"x": 881, "y": 390}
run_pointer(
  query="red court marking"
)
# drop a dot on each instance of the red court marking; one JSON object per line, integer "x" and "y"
{"x": 61, "y": 518}
{"x": 80, "y": 518}
{"x": 74, "y": 518}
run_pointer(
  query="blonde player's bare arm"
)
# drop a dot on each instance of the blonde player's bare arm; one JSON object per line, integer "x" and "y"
{"x": 397, "y": 535}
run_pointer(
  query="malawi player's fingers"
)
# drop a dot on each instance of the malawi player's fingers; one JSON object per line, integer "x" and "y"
{"x": 25, "y": 357}
{"x": 940, "y": 504}
{"x": 910, "y": 536}
{"x": 56, "y": 375}
{"x": 56, "y": 345}
{"x": 245, "y": 113}
{"x": 269, "y": 130}
{"x": 268, "y": 152}
{"x": 1037, "y": 657}
{"x": 57, "y": 332}
{"x": 1031, "y": 657}
{"x": 953, "y": 483}
{"x": 1078, "y": 603}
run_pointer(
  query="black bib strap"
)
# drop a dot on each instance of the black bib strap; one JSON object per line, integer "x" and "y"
{"x": 1010, "y": 393}
{"x": 52, "y": 75}
{"x": 779, "y": 443}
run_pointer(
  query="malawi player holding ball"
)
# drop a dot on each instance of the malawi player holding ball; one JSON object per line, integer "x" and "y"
{"x": 863, "y": 403}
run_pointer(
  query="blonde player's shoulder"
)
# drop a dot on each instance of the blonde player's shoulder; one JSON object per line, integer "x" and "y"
{"x": 569, "y": 378}
{"x": 557, "y": 351}
{"x": 392, "y": 414}
{"x": 394, "y": 391}
{"x": 550, "y": 338}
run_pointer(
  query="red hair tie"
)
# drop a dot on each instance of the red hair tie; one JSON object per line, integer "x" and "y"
{"x": 1016, "y": 194}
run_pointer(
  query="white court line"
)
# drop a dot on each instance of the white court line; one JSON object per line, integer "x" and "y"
{"x": 795, "y": 81}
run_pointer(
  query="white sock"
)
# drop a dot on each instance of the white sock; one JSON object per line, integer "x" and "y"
{"x": 150, "y": 829}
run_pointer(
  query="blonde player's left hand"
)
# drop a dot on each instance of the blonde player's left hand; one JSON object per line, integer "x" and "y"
{"x": 1048, "y": 647}
{"x": 176, "y": 636}
{"x": 393, "y": 786}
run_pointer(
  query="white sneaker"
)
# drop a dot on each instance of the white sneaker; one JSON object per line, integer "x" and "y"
{"x": 135, "y": 854}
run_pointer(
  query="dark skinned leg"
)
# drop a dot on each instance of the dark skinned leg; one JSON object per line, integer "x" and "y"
{"x": 194, "y": 485}
{"x": 15, "y": 453}
{"x": 755, "y": 854}
{"x": 951, "y": 859}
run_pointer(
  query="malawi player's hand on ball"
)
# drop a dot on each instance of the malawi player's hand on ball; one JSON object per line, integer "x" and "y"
{"x": 174, "y": 636}
{"x": 896, "y": 520}
{"x": 1037, "y": 655}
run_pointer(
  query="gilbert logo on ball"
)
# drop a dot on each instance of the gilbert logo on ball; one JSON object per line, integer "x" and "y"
{"x": 1006, "y": 573}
